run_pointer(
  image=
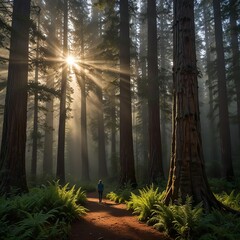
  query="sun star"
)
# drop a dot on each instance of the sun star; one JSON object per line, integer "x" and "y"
{"x": 70, "y": 60}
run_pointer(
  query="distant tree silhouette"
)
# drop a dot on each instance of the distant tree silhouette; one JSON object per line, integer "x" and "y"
{"x": 127, "y": 168}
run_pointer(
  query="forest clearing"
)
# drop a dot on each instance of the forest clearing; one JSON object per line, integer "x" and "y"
{"x": 139, "y": 100}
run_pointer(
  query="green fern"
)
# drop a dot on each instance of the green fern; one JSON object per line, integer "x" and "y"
{"x": 143, "y": 203}
{"x": 43, "y": 213}
{"x": 121, "y": 195}
{"x": 186, "y": 218}
{"x": 219, "y": 225}
{"x": 231, "y": 200}
{"x": 162, "y": 218}
{"x": 179, "y": 221}
{"x": 115, "y": 197}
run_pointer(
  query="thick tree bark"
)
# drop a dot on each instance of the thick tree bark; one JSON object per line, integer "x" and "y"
{"x": 155, "y": 145}
{"x": 187, "y": 172}
{"x": 225, "y": 139}
{"x": 62, "y": 117}
{"x": 12, "y": 157}
{"x": 127, "y": 168}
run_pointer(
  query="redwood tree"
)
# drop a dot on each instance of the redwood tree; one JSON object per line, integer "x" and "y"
{"x": 155, "y": 145}
{"x": 102, "y": 163}
{"x": 62, "y": 115}
{"x": 235, "y": 54}
{"x": 224, "y": 128}
{"x": 83, "y": 123}
{"x": 12, "y": 157}
{"x": 187, "y": 175}
{"x": 51, "y": 45}
{"x": 127, "y": 168}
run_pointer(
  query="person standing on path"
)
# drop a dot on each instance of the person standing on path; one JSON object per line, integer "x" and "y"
{"x": 100, "y": 190}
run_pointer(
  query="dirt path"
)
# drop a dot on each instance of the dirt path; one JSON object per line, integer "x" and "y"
{"x": 111, "y": 221}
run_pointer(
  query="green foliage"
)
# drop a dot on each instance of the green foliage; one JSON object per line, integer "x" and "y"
{"x": 218, "y": 226}
{"x": 88, "y": 187}
{"x": 186, "y": 219}
{"x": 221, "y": 185}
{"x": 143, "y": 203}
{"x": 188, "y": 222}
{"x": 120, "y": 195}
{"x": 113, "y": 196}
{"x": 231, "y": 200}
{"x": 176, "y": 220}
{"x": 43, "y": 213}
{"x": 162, "y": 218}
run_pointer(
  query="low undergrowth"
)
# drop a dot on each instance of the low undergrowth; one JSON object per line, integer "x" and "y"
{"x": 121, "y": 195}
{"x": 184, "y": 221}
{"x": 43, "y": 213}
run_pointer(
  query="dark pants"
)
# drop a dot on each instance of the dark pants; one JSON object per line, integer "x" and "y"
{"x": 100, "y": 195}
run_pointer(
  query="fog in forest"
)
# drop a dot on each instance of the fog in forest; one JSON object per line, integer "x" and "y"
{"x": 91, "y": 35}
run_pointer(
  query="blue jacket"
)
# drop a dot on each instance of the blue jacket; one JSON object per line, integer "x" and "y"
{"x": 100, "y": 187}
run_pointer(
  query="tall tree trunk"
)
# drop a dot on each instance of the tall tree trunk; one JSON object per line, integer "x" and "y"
{"x": 35, "y": 116}
{"x": 12, "y": 156}
{"x": 48, "y": 139}
{"x": 114, "y": 166}
{"x": 84, "y": 141}
{"x": 143, "y": 89}
{"x": 212, "y": 129}
{"x": 102, "y": 164}
{"x": 102, "y": 167}
{"x": 235, "y": 54}
{"x": 187, "y": 171}
{"x": 155, "y": 145}
{"x": 163, "y": 87}
{"x": 127, "y": 168}
{"x": 225, "y": 139}
{"x": 62, "y": 117}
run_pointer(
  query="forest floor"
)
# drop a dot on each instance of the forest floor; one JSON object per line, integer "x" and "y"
{"x": 111, "y": 221}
